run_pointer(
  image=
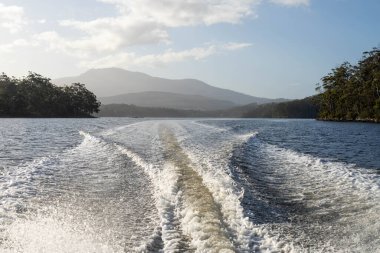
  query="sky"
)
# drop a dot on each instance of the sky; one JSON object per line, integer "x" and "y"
{"x": 266, "y": 48}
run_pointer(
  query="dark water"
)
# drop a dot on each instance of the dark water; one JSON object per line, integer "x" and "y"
{"x": 146, "y": 185}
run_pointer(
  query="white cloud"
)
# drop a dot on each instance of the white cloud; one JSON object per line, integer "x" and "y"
{"x": 12, "y": 18}
{"x": 104, "y": 42}
{"x": 152, "y": 60}
{"x": 111, "y": 34}
{"x": 10, "y": 47}
{"x": 171, "y": 56}
{"x": 232, "y": 46}
{"x": 174, "y": 13}
{"x": 142, "y": 22}
{"x": 145, "y": 22}
{"x": 291, "y": 2}
{"x": 80, "y": 47}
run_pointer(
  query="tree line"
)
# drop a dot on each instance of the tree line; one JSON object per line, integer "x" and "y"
{"x": 36, "y": 96}
{"x": 125, "y": 110}
{"x": 348, "y": 93}
{"x": 352, "y": 92}
{"x": 306, "y": 108}
{"x": 303, "y": 108}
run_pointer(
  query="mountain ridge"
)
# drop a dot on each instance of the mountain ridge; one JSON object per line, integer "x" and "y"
{"x": 169, "y": 100}
{"x": 109, "y": 82}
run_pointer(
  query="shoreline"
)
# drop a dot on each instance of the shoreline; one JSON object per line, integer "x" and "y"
{"x": 97, "y": 117}
{"x": 350, "y": 121}
{"x": 50, "y": 117}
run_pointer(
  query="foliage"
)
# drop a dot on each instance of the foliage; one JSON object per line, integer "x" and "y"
{"x": 303, "y": 109}
{"x": 352, "y": 92}
{"x": 124, "y": 110}
{"x": 35, "y": 96}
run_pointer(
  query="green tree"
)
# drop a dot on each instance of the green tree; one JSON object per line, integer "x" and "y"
{"x": 352, "y": 92}
{"x": 35, "y": 96}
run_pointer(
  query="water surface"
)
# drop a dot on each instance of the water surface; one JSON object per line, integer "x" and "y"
{"x": 191, "y": 185}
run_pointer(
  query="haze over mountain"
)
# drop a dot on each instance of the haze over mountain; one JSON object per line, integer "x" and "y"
{"x": 113, "y": 82}
{"x": 169, "y": 100}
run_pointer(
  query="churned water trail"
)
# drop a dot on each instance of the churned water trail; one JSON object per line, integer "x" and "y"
{"x": 202, "y": 219}
{"x": 319, "y": 205}
{"x": 148, "y": 185}
{"x": 83, "y": 201}
{"x": 199, "y": 212}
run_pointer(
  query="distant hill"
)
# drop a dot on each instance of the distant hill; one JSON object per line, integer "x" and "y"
{"x": 169, "y": 100}
{"x": 123, "y": 110}
{"x": 304, "y": 108}
{"x": 114, "y": 82}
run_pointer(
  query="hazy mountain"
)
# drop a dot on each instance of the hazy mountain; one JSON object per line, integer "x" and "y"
{"x": 123, "y": 110}
{"x": 169, "y": 100}
{"x": 306, "y": 108}
{"x": 114, "y": 81}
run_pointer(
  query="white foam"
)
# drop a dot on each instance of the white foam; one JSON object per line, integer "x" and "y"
{"x": 181, "y": 226}
{"x": 246, "y": 137}
{"x": 224, "y": 190}
{"x": 166, "y": 194}
{"x": 46, "y": 234}
{"x": 18, "y": 185}
{"x": 118, "y": 129}
{"x": 245, "y": 235}
{"x": 211, "y": 162}
{"x": 210, "y": 127}
{"x": 332, "y": 187}
{"x": 59, "y": 230}
{"x": 149, "y": 169}
{"x": 346, "y": 177}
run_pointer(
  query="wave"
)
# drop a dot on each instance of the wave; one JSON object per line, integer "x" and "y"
{"x": 90, "y": 192}
{"x": 18, "y": 184}
{"x": 188, "y": 186}
{"x": 57, "y": 232}
{"x": 199, "y": 211}
{"x": 323, "y": 204}
{"x": 143, "y": 240}
{"x": 212, "y": 164}
{"x": 208, "y": 126}
{"x": 118, "y": 129}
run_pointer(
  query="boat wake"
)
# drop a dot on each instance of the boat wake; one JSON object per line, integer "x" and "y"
{"x": 186, "y": 186}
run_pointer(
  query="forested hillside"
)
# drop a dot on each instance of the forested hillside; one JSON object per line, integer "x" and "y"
{"x": 35, "y": 96}
{"x": 123, "y": 110}
{"x": 348, "y": 93}
{"x": 306, "y": 108}
{"x": 352, "y": 92}
{"x": 110, "y": 82}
